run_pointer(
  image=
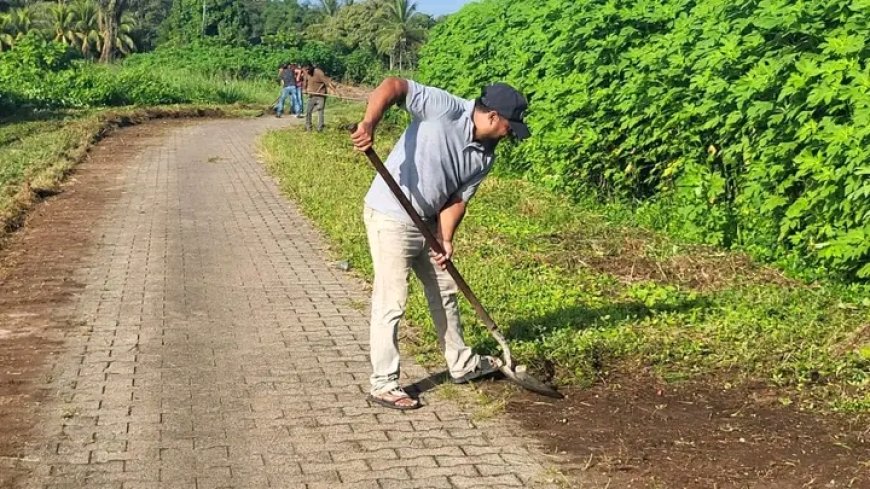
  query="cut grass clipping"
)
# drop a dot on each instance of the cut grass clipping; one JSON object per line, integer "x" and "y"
{"x": 580, "y": 292}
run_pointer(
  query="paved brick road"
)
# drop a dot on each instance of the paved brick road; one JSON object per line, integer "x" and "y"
{"x": 214, "y": 345}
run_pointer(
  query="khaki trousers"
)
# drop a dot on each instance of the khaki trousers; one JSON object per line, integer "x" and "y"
{"x": 396, "y": 248}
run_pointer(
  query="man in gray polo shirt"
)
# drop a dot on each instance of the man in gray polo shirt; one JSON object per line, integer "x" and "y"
{"x": 439, "y": 162}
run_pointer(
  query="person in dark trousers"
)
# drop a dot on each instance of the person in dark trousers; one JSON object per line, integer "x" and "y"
{"x": 316, "y": 87}
{"x": 287, "y": 78}
{"x": 439, "y": 162}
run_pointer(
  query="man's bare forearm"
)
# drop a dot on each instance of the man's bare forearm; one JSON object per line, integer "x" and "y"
{"x": 449, "y": 219}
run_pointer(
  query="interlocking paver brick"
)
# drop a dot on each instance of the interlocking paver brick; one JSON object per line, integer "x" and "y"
{"x": 458, "y": 470}
{"x": 508, "y": 480}
{"x": 492, "y": 459}
{"x": 364, "y": 476}
{"x": 219, "y": 347}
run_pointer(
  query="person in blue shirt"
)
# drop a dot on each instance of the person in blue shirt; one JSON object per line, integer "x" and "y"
{"x": 289, "y": 90}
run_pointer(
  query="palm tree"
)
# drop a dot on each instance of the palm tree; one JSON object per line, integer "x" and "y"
{"x": 88, "y": 19}
{"x": 117, "y": 27}
{"x": 19, "y": 21}
{"x": 330, "y": 7}
{"x": 112, "y": 11}
{"x": 123, "y": 40}
{"x": 7, "y": 40}
{"x": 402, "y": 31}
{"x": 63, "y": 23}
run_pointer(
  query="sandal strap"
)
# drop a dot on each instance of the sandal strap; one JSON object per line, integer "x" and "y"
{"x": 399, "y": 392}
{"x": 395, "y": 392}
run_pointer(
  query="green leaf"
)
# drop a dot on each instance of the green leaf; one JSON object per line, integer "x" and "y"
{"x": 843, "y": 44}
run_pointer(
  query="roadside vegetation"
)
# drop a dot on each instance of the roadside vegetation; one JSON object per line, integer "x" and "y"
{"x": 96, "y": 53}
{"x": 71, "y": 69}
{"x": 742, "y": 124}
{"x": 583, "y": 289}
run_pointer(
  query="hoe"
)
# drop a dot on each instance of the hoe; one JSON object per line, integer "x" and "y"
{"x": 516, "y": 373}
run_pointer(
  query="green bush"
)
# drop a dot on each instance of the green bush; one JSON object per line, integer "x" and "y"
{"x": 46, "y": 74}
{"x": 8, "y": 101}
{"x": 735, "y": 122}
{"x": 258, "y": 62}
{"x": 212, "y": 59}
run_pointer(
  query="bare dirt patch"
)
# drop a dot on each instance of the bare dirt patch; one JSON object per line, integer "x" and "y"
{"x": 645, "y": 434}
{"x": 36, "y": 276}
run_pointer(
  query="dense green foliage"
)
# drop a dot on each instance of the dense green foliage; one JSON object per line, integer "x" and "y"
{"x": 42, "y": 74}
{"x": 357, "y": 40}
{"x": 744, "y": 123}
{"x": 390, "y": 28}
{"x": 227, "y": 21}
{"x": 257, "y": 62}
{"x": 536, "y": 262}
{"x": 225, "y": 52}
{"x": 383, "y": 31}
{"x": 100, "y": 29}
{"x": 142, "y": 23}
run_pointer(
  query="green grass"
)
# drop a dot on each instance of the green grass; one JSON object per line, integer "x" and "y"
{"x": 203, "y": 88}
{"x": 581, "y": 291}
{"x": 37, "y": 149}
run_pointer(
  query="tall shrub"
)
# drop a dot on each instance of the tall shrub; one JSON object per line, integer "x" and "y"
{"x": 736, "y": 122}
{"x": 212, "y": 58}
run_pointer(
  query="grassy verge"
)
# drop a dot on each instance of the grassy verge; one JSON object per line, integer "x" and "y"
{"x": 188, "y": 86}
{"x": 37, "y": 150}
{"x": 582, "y": 292}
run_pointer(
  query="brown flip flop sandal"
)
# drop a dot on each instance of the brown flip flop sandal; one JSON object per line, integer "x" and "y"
{"x": 392, "y": 398}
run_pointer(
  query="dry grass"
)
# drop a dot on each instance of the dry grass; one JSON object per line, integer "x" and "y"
{"x": 634, "y": 255}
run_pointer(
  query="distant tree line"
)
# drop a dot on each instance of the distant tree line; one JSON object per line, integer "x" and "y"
{"x": 388, "y": 31}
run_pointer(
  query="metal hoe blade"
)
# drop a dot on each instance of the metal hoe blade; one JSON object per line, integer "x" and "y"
{"x": 526, "y": 381}
{"x": 517, "y": 374}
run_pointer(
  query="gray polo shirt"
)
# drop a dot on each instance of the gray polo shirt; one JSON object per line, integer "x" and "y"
{"x": 436, "y": 159}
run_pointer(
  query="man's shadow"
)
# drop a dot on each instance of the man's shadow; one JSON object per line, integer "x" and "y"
{"x": 580, "y": 317}
{"x": 429, "y": 383}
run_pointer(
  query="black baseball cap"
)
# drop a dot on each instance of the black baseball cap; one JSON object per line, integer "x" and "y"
{"x": 510, "y": 104}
